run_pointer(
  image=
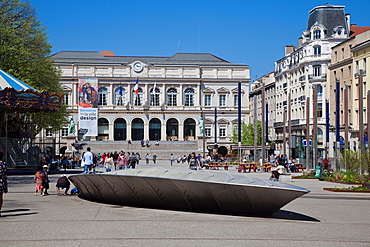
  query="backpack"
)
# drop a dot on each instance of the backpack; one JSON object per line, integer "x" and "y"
{"x": 133, "y": 158}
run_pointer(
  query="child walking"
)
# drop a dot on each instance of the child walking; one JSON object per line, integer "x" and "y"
{"x": 39, "y": 177}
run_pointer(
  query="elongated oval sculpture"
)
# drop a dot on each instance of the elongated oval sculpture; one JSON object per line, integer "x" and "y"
{"x": 187, "y": 190}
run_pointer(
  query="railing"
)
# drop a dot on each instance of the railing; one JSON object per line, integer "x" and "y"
{"x": 317, "y": 77}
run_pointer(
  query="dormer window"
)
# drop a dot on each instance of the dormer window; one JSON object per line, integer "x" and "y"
{"x": 317, "y": 34}
{"x": 339, "y": 31}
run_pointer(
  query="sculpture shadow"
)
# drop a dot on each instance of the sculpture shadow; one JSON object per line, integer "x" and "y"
{"x": 16, "y": 212}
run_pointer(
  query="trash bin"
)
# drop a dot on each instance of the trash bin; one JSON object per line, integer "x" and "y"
{"x": 318, "y": 171}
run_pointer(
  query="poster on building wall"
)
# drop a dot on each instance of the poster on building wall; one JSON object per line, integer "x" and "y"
{"x": 88, "y": 92}
{"x": 88, "y": 121}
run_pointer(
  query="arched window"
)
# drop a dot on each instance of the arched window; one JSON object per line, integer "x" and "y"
{"x": 189, "y": 97}
{"x": 120, "y": 96}
{"x": 138, "y": 99}
{"x": 172, "y": 97}
{"x": 103, "y": 96}
{"x": 154, "y": 96}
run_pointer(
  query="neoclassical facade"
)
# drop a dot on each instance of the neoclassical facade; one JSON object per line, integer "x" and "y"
{"x": 172, "y": 98}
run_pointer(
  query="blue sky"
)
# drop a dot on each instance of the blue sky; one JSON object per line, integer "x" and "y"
{"x": 240, "y": 31}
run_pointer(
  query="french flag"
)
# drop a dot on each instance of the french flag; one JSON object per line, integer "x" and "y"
{"x": 136, "y": 88}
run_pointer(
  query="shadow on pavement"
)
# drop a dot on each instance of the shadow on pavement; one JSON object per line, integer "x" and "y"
{"x": 17, "y": 212}
{"x": 13, "y": 215}
{"x": 288, "y": 215}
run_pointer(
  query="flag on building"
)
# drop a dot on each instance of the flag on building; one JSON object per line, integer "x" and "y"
{"x": 136, "y": 88}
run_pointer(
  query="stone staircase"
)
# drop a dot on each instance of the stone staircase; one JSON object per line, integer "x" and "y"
{"x": 163, "y": 150}
{"x": 15, "y": 156}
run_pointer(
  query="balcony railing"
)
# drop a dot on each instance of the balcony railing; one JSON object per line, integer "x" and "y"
{"x": 321, "y": 77}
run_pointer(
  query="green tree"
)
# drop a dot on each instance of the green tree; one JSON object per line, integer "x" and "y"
{"x": 247, "y": 137}
{"x": 24, "y": 53}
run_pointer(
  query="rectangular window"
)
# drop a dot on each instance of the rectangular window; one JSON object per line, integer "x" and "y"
{"x": 235, "y": 100}
{"x": 222, "y": 131}
{"x": 189, "y": 100}
{"x": 207, "y": 132}
{"x": 65, "y": 131}
{"x": 48, "y": 133}
{"x": 138, "y": 99}
{"x": 317, "y": 50}
{"x": 154, "y": 99}
{"x": 66, "y": 99}
{"x": 103, "y": 99}
{"x": 222, "y": 100}
{"x": 357, "y": 68}
{"x": 172, "y": 100}
{"x": 317, "y": 70}
{"x": 207, "y": 100}
{"x": 364, "y": 66}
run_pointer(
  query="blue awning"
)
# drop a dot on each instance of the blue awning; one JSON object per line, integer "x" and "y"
{"x": 8, "y": 81}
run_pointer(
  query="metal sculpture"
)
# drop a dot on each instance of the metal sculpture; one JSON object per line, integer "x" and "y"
{"x": 185, "y": 190}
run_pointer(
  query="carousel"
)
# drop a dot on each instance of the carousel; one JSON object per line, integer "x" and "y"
{"x": 21, "y": 107}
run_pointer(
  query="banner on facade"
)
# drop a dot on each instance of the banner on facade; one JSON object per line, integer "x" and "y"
{"x": 88, "y": 92}
{"x": 88, "y": 121}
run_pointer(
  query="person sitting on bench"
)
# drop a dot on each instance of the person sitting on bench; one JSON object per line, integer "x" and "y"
{"x": 276, "y": 172}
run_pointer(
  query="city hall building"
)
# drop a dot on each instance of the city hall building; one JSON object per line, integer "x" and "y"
{"x": 154, "y": 98}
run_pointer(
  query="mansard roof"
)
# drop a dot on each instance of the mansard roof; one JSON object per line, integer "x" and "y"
{"x": 329, "y": 16}
{"x": 108, "y": 58}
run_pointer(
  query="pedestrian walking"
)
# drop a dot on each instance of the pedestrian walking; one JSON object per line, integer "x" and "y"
{"x": 171, "y": 159}
{"x": 46, "y": 180}
{"x": 133, "y": 160}
{"x": 39, "y": 177}
{"x": 193, "y": 162}
{"x": 147, "y": 158}
{"x": 154, "y": 158}
{"x": 88, "y": 160}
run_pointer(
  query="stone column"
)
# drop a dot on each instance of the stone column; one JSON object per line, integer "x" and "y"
{"x": 180, "y": 136}
{"x": 146, "y": 131}
{"x": 74, "y": 95}
{"x": 163, "y": 100}
{"x": 180, "y": 101}
{"x": 163, "y": 132}
{"x": 129, "y": 95}
{"x": 111, "y": 131}
{"x": 128, "y": 130}
{"x": 111, "y": 95}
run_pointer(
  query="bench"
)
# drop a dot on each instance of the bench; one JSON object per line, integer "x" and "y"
{"x": 249, "y": 165}
{"x": 216, "y": 167}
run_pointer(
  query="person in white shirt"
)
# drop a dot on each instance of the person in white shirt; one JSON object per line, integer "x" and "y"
{"x": 88, "y": 160}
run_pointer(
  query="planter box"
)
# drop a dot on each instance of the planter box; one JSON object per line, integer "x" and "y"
{"x": 351, "y": 191}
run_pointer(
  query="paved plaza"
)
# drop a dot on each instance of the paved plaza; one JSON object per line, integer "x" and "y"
{"x": 320, "y": 218}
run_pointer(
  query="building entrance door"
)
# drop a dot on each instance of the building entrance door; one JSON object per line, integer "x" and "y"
{"x": 137, "y": 129}
{"x": 155, "y": 129}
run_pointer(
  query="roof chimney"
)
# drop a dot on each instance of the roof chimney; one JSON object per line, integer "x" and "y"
{"x": 107, "y": 53}
{"x": 289, "y": 49}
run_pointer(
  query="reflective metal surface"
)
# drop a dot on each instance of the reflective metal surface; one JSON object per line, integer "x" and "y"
{"x": 187, "y": 190}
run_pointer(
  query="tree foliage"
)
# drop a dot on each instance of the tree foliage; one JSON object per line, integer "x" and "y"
{"x": 247, "y": 137}
{"x": 24, "y": 53}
